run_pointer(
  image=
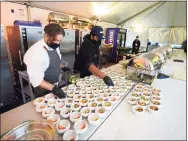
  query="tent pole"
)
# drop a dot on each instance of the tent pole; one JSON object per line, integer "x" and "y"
{"x": 139, "y": 13}
{"x": 173, "y": 20}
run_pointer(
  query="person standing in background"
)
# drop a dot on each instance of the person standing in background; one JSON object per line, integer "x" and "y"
{"x": 184, "y": 45}
{"x": 148, "y": 44}
{"x": 136, "y": 45}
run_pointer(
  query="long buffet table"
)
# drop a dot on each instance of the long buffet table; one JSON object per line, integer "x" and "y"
{"x": 169, "y": 123}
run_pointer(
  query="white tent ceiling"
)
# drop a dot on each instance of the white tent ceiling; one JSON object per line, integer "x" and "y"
{"x": 117, "y": 11}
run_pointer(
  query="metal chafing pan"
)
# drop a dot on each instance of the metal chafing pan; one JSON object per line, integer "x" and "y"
{"x": 31, "y": 130}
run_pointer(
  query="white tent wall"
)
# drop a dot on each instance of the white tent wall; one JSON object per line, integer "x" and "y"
{"x": 158, "y": 20}
{"x": 7, "y": 17}
{"x": 178, "y": 35}
{"x": 35, "y": 14}
{"x": 159, "y": 35}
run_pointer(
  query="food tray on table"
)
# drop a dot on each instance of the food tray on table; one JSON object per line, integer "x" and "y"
{"x": 88, "y": 92}
{"x": 144, "y": 98}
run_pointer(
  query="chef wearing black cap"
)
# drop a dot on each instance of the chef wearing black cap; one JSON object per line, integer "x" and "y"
{"x": 88, "y": 58}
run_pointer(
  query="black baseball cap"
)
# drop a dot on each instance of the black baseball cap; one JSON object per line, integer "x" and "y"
{"x": 98, "y": 31}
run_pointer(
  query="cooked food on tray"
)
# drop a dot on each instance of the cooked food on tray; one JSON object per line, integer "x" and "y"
{"x": 93, "y": 104}
{"x": 84, "y": 101}
{"x": 94, "y": 119}
{"x": 65, "y": 112}
{"x": 85, "y": 111}
{"x": 39, "y": 100}
{"x": 141, "y": 103}
{"x": 156, "y": 90}
{"x": 155, "y": 93}
{"x": 155, "y": 102}
{"x": 75, "y": 106}
{"x": 99, "y": 99}
{"x": 156, "y": 98}
{"x": 139, "y": 109}
{"x": 59, "y": 106}
{"x": 146, "y": 94}
{"x": 154, "y": 108}
{"x": 135, "y": 95}
{"x": 146, "y": 90}
{"x": 131, "y": 100}
{"x": 81, "y": 126}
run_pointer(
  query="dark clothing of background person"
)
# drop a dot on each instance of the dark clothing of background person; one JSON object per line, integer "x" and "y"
{"x": 136, "y": 46}
{"x": 184, "y": 45}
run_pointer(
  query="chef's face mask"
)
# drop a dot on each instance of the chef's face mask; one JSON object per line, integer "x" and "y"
{"x": 54, "y": 42}
{"x": 53, "y": 45}
{"x": 96, "y": 41}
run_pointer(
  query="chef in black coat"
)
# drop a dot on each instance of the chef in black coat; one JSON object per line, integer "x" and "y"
{"x": 88, "y": 58}
{"x": 136, "y": 45}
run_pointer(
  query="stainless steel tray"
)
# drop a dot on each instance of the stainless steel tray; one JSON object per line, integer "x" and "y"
{"x": 91, "y": 129}
{"x": 31, "y": 130}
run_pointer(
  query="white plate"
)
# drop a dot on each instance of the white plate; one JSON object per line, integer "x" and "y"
{"x": 52, "y": 102}
{"x": 60, "y": 99}
{"x": 131, "y": 100}
{"x": 135, "y": 95}
{"x": 76, "y": 109}
{"x": 105, "y": 105}
{"x": 142, "y": 102}
{"x": 77, "y": 97}
{"x": 81, "y": 126}
{"x": 85, "y": 100}
{"x": 62, "y": 126}
{"x": 53, "y": 118}
{"x": 154, "y": 93}
{"x": 152, "y": 111}
{"x": 59, "y": 106}
{"x": 69, "y": 101}
{"x": 70, "y": 93}
{"x": 135, "y": 111}
{"x": 94, "y": 119}
{"x": 83, "y": 111}
{"x": 155, "y": 102}
{"x": 47, "y": 112}
{"x": 39, "y": 100}
{"x": 64, "y": 111}
{"x": 70, "y": 135}
{"x": 88, "y": 96}
{"x": 91, "y": 104}
{"x": 104, "y": 96}
{"x": 112, "y": 99}
{"x": 49, "y": 96}
{"x": 75, "y": 116}
{"x": 98, "y": 109}
{"x": 99, "y": 100}
{"x": 156, "y": 98}
{"x": 40, "y": 107}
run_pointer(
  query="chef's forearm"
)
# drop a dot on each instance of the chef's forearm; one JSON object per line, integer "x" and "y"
{"x": 48, "y": 86}
{"x": 95, "y": 71}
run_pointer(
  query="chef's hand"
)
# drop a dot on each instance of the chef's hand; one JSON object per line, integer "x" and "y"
{"x": 108, "y": 81}
{"x": 66, "y": 69}
{"x": 58, "y": 92}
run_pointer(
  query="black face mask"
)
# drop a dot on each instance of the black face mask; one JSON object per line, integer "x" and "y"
{"x": 97, "y": 43}
{"x": 53, "y": 45}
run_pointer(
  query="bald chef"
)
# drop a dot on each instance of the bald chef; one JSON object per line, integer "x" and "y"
{"x": 43, "y": 62}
